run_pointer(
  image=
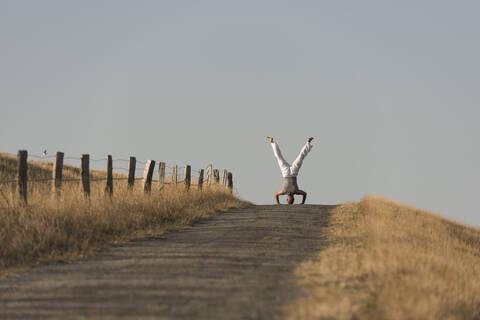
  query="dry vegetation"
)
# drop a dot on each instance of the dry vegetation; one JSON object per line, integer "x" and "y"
{"x": 61, "y": 228}
{"x": 390, "y": 261}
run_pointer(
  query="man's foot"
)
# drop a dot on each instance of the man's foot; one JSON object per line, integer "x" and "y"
{"x": 310, "y": 139}
{"x": 270, "y": 139}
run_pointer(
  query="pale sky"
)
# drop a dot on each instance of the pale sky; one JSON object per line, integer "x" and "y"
{"x": 389, "y": 90}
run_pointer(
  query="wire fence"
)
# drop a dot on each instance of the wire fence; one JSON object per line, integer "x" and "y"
{"x": 166, "y": 174}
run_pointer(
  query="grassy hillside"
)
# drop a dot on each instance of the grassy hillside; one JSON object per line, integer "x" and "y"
{"x": 60, "y": 228}
{"x": 387, "y": 260}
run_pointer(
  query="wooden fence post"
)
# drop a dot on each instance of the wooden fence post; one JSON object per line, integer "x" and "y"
{"x": 209, "y": 174}
{"x": 200, "y": 179}
{"x": 131, "y": 171}
{"x": 187, "y": 176}
{"x": 230, "y": 181}
{"x": 147, "y": 175}
{"x": 216, "y": 176}
{"x": 161, "y": 175}
{"x": 57, "y": 173}
{"x": 22, "y": 175}
{"x": 86, "y": 174}
{"x": 109, "y": 186}
{"x": 174, "y": 174}
{"x": 224, "y": 177}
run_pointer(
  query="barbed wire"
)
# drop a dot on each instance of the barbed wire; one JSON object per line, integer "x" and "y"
{"x": 41, "y": 156}
{"x": 195, "y": 173}
{"x": 72, "y": 180}
{"x": 8, "y": 181}
{"x": 96, "y": 159}
{"x": 180, "y": 179}
{"x": 68, "y": 179}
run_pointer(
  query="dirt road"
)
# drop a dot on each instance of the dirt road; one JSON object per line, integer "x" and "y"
{"x": 237, "y": 265}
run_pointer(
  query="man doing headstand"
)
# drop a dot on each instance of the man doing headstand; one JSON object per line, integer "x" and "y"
{"x": 290, "y": 172}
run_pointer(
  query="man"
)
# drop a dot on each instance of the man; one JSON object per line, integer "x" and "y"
{"x": 290, "y": 172}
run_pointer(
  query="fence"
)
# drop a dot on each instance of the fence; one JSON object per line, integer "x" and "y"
{"x": 204, "y": 177}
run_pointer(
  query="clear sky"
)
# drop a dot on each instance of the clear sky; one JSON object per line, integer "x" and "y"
{"x": 389, "y": 90}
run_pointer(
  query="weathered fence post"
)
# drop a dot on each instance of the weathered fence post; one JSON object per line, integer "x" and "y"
{"x": 209, "y": 174}
{"x": 200, "y": 179}
{"x": 22, "y": 175}
{"x": 161, "y": 175}
{"x": 57, "y": 173}
{"x": 131, "y": 171}
{"x": 224, "y": 177}
{"x": 187, "y": 176}
{"x": 216, "y": 176}
{"x": 230, "y": 181}
{"x": 147, "y": 175}
{"x": 86, "y": 174}
{"x": 174, "y": 174}
{"x": 109, "y": 186}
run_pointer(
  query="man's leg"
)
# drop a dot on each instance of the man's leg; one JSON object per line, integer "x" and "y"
{"x": 296, "y": 165}
{"x": 278, "y": 154}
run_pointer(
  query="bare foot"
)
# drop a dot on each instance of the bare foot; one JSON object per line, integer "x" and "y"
{"x": 310, "y": 139}
{"x": 270, "y": 139}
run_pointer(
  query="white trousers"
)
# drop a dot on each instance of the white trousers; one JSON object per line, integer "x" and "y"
{"x": 287, "y": 169}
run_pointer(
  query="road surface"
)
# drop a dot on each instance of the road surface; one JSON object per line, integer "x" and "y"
{"x": 236, "y": 265}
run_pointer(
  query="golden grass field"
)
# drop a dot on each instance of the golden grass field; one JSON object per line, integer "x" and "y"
{"x": 61, "y": 228}
{"x": 387, "y": 260}
{"x": 383, "y": 260}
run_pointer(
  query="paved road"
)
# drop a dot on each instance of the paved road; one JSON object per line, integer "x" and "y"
{"x": 237, "y": 265}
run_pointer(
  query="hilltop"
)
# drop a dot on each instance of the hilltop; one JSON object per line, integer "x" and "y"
{"x": 388, "y": 260}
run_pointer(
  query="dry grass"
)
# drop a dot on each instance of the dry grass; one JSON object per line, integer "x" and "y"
{"x": 65, "y": 227}
{"x": 390, "y": 261}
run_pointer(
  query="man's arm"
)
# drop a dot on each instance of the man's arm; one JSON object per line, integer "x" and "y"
{"x": 277, "y": 195}
{"x": 304, "y": 194}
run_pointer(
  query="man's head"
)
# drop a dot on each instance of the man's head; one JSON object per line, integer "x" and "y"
{"x": 290, "y": 199}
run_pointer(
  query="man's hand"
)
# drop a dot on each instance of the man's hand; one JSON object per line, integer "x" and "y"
{"x": 310, "y": 139}
{"x": 270, "y": 139}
